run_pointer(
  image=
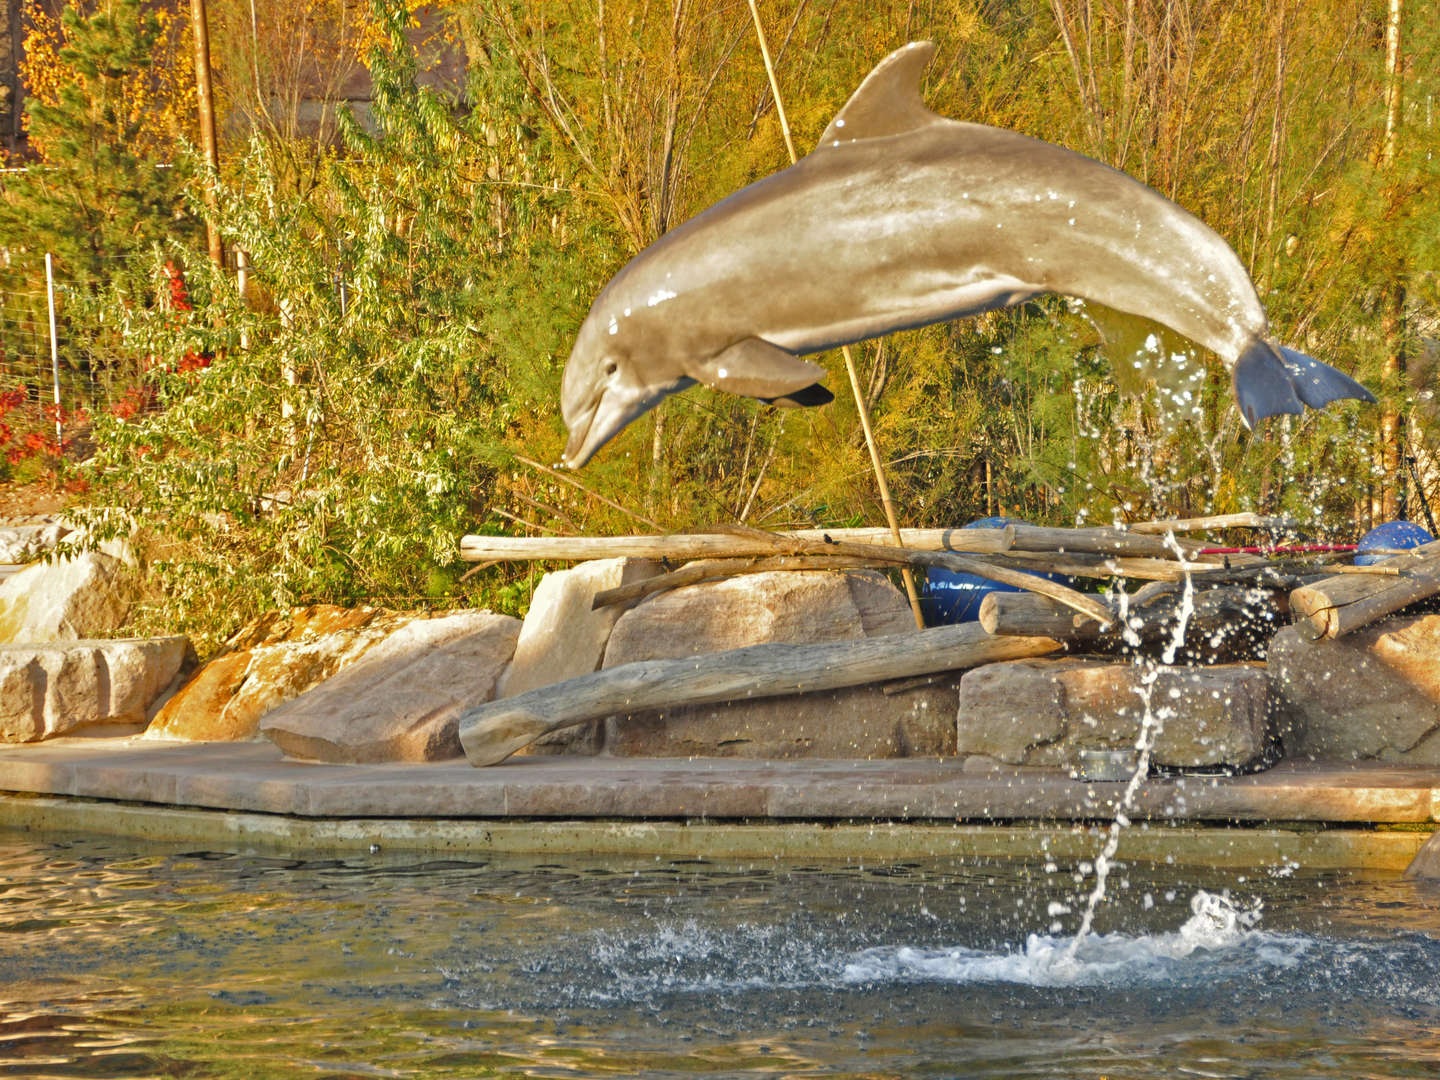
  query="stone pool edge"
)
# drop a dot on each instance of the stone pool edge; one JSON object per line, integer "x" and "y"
{"x": 1316, "y": 814}
{"x": 1263, "y": 848}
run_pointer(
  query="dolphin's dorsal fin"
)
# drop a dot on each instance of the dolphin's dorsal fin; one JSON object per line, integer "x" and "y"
{"x": 888, "y": 102}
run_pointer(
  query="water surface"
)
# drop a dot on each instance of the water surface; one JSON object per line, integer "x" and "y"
{"x": 121, "y": 960}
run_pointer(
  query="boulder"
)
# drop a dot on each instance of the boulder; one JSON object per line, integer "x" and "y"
{"x": 858, "y": 722}
{"x": 275, "y": 658}
{"x": 562, "y": 637}
{"x": 1043, "y": 712}
{"x": 784, "y": 606}
{"x": 70, "y": 599}
{"x": 1372, "y": 694}
{"x": 402, "y": 700}
{"x": 81, "y": 687}
{"x": 789, "y": 607}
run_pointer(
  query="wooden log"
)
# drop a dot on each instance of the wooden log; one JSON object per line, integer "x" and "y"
{"x": 1232, "y": 622}
{"x": 713, "y": 569}
{"x": 1100, "y": 566}
{"x": 1245, "y": 520}
{"x": 1008, "y": 614}
{"x": 1098, "y": 542}
{"x": 1335, "y": 606}
{"x": 683, "y": 546}
{"x": 492, "y": 732}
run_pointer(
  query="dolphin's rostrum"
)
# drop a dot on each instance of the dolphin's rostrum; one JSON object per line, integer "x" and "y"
{"x": 900, "y": 218}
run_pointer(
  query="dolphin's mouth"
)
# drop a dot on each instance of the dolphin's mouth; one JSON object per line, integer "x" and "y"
{"x": 611, "y": 410}
{"x": 577, "y": 453}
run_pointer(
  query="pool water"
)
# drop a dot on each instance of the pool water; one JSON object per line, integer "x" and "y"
{"x": 120, "y": 960}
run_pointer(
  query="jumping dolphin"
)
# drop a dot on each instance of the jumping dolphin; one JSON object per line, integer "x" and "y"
{"x": 900, "y": 218}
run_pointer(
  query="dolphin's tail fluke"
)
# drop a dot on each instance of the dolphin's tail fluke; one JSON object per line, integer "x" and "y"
{"x": 1271, "y": 379}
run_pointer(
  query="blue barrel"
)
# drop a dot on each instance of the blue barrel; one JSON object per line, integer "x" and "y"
{"x": 1391, "y": 535}
{"x": 950, "y": 597}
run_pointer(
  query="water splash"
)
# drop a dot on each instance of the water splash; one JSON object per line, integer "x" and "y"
{"x": 1218, "y": 930}
{"x": 1152, "y": 722}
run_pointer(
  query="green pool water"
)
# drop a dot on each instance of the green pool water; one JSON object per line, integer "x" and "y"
{"x": 122, "y": 960}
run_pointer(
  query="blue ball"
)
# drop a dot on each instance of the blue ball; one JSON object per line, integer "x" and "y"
{"x": 949, "y": 597}
{"x": 1393, "y": 534}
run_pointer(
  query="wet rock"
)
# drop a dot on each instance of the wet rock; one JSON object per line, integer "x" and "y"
{"x": 1426, "y": 864}
{"x": 70, "y": 599}
{"x": 271, "y": 661}
{"x": 563, "y": 637}
{"x": 1043, "y": 712}
{"x": 789, "y": 607}
{"x": 402, "y": 700}
{"x": 1374, "y": 693}
{"x": 82, "y": 687}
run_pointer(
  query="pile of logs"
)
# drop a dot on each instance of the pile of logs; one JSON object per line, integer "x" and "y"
{"x": 1233, "y": 603}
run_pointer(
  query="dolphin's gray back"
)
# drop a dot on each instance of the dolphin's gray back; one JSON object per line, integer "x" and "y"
{"x": 863, "y": 238}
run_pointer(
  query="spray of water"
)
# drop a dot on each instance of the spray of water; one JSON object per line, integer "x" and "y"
{"x": 1152, "y": 722}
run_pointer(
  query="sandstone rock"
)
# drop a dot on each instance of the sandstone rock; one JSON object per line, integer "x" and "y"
{"x": 563, "y": 637}
{"x": 66, "y": 600}
{"x": 789, "y": 607}
{"x": 794, "y": 607}
{"x": 69, "y": 688}
{"x": 1371, "y": 694}
{"x": 272, "y": 660}
{"x": 859, "y": 722}
{"x": 402, "y": 700}
{"x": 1043, "y": 712}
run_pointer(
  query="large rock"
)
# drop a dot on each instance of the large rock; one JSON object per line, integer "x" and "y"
{"x": 1374, "y": 693}
{"x": 402, "y": 700}
{"x": 69, "y": 599}
{"x": 1044, "y": 712}
{"x": 794, "y": 608}
{"x": 857, "y": 722}
{"x": 80, "y": 687}
{"x": 29, "y": 541}
{"x": 798, "y": 608}
{"x": 563, "y": 637}
{"x": 271, "y": 661}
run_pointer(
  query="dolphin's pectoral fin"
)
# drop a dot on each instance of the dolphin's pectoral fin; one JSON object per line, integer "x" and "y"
{"x": 1319, "y": 384}
{"x": 806, "y": 398}
{"x": 755, "y": 368}
{"x": 888, "y": 102}
{"x": 1262, "y": 384}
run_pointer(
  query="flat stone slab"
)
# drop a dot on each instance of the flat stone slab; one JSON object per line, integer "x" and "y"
{"x": 256, "y": 777}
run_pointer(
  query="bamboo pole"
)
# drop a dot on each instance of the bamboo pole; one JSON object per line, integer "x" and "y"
{"x": 860, "y": 407}
{"x": 492, "y": 732}
{"x": 54, "y": 344}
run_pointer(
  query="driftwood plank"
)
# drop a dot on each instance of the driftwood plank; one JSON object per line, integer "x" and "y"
{"x": 1338, "y": 605}
{"x": 492, "y": 732}
{"x": 718, "y": 544}
{"x": 1246, "y": 520}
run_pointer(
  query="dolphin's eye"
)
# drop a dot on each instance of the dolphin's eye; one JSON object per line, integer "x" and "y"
{"x": 609, "y": 367}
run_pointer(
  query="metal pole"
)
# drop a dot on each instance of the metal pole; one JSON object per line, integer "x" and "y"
{"x": 54, "y": 344}
{"x": 860, "y": 406}
{"x": 206, "y": 101}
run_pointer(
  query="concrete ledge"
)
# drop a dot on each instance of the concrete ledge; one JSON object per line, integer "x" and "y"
{"x": 1267, "y": 848}
{"x": 256, "y": 778}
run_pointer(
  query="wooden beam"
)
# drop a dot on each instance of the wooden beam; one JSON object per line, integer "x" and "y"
{"x": 492, "y": 732}
{"x": 1338, "y": 605}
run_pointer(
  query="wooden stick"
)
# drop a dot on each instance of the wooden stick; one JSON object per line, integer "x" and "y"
{"x": 1341, "y": 604}
{"x": 861, "y": 409}
{"x": 944, "y": 560}
{"x": 566, "y": 479}
{"x": 1097, "y": 542}
{"x": 1218, "y": 521}
{"x": 710, "y": 569}
{"x": 492, "y": 732}
{"x": 716, "y": 545}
